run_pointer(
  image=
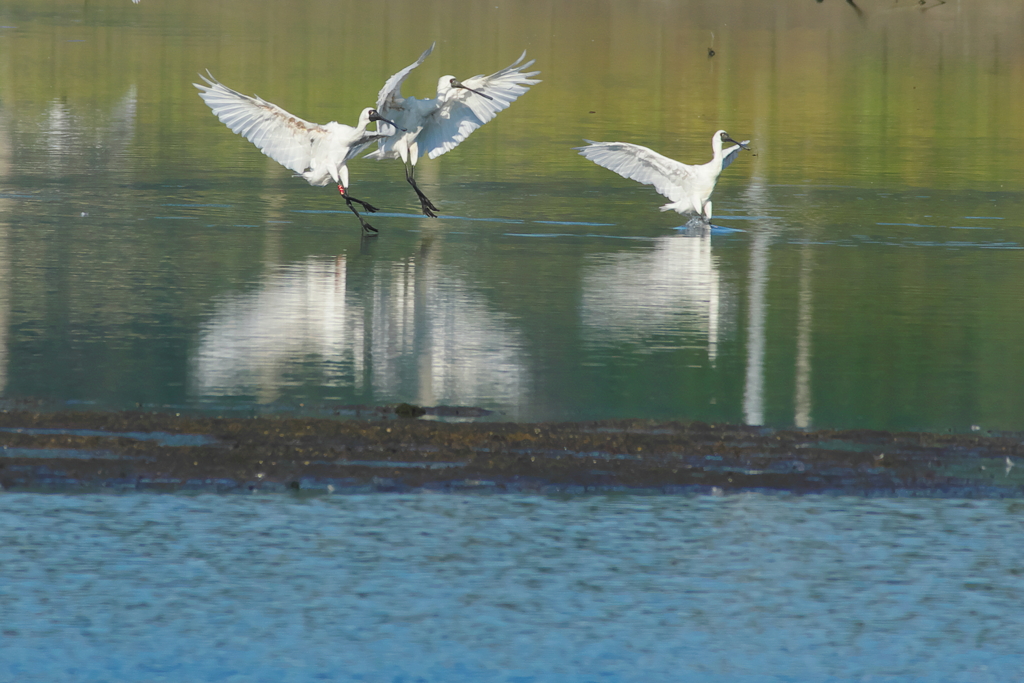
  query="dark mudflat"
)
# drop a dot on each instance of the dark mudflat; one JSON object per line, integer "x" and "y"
{"x": 137, "y": 450}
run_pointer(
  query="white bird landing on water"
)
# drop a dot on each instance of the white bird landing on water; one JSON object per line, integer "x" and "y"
{"x": 318, "y": 153}
{"x": 438, "y": 125}
{"x": 689, "y": 187}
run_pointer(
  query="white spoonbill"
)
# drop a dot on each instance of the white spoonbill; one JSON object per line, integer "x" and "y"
{"x": 438, "y": 125}
{"x": 689, "y": 187}
{"x": 318, "y": 153}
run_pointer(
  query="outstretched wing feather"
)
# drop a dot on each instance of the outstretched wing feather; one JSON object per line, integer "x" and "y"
{"x": 640, "y": 164}
{"x": 283, "y": 137}
{"x": 390, "y": 96}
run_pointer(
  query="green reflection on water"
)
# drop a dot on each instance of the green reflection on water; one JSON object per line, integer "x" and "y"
{"x": 876, "y": 284}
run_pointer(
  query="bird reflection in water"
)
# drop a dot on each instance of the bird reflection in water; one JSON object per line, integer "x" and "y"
{"x": 406, "y": 331}
{"x": 672, "y": 292}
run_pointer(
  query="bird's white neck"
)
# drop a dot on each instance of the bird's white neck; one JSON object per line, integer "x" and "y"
{"x": 716, "y": 147}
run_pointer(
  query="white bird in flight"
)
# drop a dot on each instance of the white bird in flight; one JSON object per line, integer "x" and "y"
{"x": 318, "y": 153}
{"x": 689, "y": 187}
{"x": 435, "y": 126}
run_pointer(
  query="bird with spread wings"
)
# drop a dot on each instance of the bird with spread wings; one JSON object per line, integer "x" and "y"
{"x": 437, "y": 125}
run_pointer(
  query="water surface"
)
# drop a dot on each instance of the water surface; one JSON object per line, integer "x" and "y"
{"x": 509, "y": 588}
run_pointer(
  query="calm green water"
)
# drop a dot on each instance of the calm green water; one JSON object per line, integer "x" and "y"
{"x": 873, "y": 276}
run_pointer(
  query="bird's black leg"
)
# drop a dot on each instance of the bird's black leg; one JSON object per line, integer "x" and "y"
{"x": 425, "y": 204}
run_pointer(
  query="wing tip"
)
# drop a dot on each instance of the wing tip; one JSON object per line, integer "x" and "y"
{"x": 211, "y": 82}
{"x": 590, "y": 145}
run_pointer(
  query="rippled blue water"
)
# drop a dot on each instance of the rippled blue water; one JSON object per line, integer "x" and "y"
{"x": 509, "y": 588}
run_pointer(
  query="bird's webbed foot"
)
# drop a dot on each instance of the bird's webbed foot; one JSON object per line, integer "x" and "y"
{"x": 369, "y": 208}
{"x": 367, "y": 228}
{"x": 427, "y": 207}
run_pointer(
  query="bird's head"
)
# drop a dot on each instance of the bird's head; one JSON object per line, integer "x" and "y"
{"x": 369, "y": 115}
{"x": 721, "y": 137}
{"x": 448, "y": 85}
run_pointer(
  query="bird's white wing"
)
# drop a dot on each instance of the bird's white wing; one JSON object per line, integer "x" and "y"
{"x": 390, "y": 96}
{"x": 464, "y": 111}
{"x": 640, "y": 164}
{"x": 360, "y": 144}
{"x": 285, "y": 138}
{"x": 730, "y": 154}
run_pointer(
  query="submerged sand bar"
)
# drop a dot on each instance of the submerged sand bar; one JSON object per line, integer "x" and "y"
{"x": 127, "y": 451}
